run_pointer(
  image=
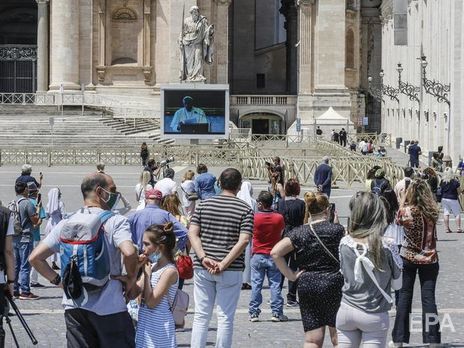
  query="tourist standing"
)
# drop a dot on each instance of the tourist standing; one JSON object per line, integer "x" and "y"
{"x": 370, "y": 177}
{"x": 418, "y": 215}
{"x": 100, "y": 168}
{"x": 204, "y": 183}
{"x": 342, "y": 137}
{"x": 167, "y": 185}
{"x": 293, "y": 210}
{"x": 220, "y": 230}
{"x": 144, "y": 153}
{"x": 36, "y": 199}
{"x": 370, "y": 270}
{"x": 153, "y": 169}
{"x": 319, "y": 279}
{"x": 267, "y": 232}
{"x": 402, "y": 185}
{"x": 450, "y": 191}
{"x": 157, "y": 287}
{"x": 98, "y": 318}
{"x": 26, "y": 171}
{"x": 140, "y": 189}
{"x": 414, "y": 152}
{"x": 323, "y": 177}
{"x": 23, "y": 242}
{"x": 246, "y": 195}
{"x": 55, "y": 213}
{"x": 152, "y": 214}
{"x": 188, "y": 188}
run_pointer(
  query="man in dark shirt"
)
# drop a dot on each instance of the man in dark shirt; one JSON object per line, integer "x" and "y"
{"x": 26, "y": 177}
{"x": 414, "y": 153}
{"x": 153, "y": 169}
{"x": 323, "y": 177}
{"x": 342, "y": 136}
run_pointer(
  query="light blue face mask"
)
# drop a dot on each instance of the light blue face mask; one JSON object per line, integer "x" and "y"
{"x": 155, "y": 257}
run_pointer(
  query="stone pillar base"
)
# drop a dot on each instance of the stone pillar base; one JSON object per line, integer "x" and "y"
{"x": 67, "y": 86}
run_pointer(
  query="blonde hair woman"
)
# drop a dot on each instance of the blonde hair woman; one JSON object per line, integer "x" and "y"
{"x": 370, "y": 270}
{"x": 141, "y": 187}
{"x": 319, "y": 279}
{"x": 188, "y": 187}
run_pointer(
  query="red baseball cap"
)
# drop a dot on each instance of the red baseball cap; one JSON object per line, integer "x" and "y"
{"x": 153, "y": 194}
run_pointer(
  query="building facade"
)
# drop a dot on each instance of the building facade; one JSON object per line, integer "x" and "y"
{"x": 428, "y": 43}
{"x": 283, "y": 59}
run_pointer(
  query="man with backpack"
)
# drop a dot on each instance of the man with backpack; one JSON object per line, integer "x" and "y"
{"x": 24, "y": 218}
{"x": 7, "y": 262}
{"x": 91, "y": 242}
{"x": 381, "y": 187}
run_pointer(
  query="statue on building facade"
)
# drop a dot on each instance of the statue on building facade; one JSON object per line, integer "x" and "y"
{"x": 196, "y": 46}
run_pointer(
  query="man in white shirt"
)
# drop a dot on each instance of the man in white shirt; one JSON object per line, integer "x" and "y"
{"x": 402, "y": 185}
{"x": 167, "y": 185}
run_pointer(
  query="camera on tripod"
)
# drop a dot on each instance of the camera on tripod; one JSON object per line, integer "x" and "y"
{"x": 165, "y": 162}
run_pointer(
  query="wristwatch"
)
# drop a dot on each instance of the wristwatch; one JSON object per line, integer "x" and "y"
{"x": 56, "y": 280}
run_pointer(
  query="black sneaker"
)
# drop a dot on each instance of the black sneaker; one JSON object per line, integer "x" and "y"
{"x": 292, "y": 303}
{"x": 16, "y": 294}
{"x": 246, "y": 286}
{"x": 254, "y": 318}
{"x": 37, "y": 285}
{"x": 55, "y": 266}
{"x": 279, "y": 317}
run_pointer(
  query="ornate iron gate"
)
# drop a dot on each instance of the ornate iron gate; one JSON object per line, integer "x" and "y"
{"x": 18, "y": 65}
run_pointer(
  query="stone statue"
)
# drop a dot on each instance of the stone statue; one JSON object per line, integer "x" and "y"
{"x": 196, "y": 46}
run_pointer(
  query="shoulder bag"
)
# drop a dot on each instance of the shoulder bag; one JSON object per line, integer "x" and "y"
{"x": 323, "y": 245}
{"x": 193, "y": 196}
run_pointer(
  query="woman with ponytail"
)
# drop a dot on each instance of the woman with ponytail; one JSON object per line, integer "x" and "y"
{"x": 157, "y": 285}
{"x": 370, "y": 269}
{"x": 319, "y": 283}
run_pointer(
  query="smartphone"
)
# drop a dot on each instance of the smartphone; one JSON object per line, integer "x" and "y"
{"x": 39, "y": 198}
{"x": 331, "y": 212}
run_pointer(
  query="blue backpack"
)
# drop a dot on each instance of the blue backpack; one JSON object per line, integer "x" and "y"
{"x": 85, "y": 260}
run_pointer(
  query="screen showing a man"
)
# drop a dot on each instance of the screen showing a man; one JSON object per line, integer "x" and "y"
{"x": 191, "y": 112}
{"x": 188, "y": 115}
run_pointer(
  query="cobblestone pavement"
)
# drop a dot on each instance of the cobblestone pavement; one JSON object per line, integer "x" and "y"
{"x": 45, "y": 316}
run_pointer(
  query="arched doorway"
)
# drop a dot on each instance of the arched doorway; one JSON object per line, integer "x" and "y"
{"x": 263, "y": 123}
{"x": 18, "y": 46}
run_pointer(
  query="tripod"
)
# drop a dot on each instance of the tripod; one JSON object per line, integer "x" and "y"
{"x": 7, "y": 296}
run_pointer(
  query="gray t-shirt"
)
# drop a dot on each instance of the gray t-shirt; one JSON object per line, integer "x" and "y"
{"x": 110, "y": 300}
{"x": 365, "y": 295}
{"x": 26, "y": 210}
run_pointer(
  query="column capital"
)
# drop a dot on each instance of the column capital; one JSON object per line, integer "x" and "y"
{"x": 223, "y": 2}
{"x": 305, "y": 2}
{"x": 42, "y": 1}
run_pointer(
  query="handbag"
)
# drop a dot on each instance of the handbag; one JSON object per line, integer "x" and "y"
{"x": 323, "y": 245}
{"x": 184, "y": 266}
{"x": 193, "y": 196}
{"x": 179, "y": 308}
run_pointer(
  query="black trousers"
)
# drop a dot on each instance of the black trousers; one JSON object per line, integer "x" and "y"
{"x": 292, "y": 286}
{"x": 428, "y": 279}
{"x": 343, "y": 141}
{"x": 85, "y": 329}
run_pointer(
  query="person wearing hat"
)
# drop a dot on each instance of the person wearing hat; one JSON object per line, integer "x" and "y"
{"x": 188, "y": 114}
{"x": 152, "y": 214}
{"x": 167, "y": 185}
{"x": 35, "y": 199}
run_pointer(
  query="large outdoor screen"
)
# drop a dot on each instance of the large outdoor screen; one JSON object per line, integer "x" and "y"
{"x": 195, "y": 112}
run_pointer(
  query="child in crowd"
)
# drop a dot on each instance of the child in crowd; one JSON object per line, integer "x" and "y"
{"x": 157, "y": 285}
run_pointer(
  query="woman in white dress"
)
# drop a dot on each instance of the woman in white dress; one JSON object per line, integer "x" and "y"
{"x": 246, "y": 195}
{"x": 55, "y": 213}
{"x": 141, "y": 187}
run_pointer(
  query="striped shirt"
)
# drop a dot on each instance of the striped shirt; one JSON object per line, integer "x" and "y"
{"x": 221, "y": 220}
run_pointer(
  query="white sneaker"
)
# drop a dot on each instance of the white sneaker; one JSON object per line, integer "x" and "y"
{"x": 392, "y": 344}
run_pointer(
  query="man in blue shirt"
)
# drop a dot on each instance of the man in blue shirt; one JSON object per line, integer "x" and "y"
{"x": 153, "y": 214}
{"x": 204, "y": 183}
{"x": 26, "y": 177}
{"x": 323, "y": 177}
{"x": 414, "y": 152}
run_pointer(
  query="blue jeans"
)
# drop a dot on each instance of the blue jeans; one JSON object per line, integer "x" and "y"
{"x": 262, "y": 265}
{"x": 222, "y": 289}
{"x": 22, "y": 251}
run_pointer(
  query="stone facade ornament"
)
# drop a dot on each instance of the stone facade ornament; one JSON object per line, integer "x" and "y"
{"x": 147, "y": 73}
{"x": 196, "y": 46}
{"x": 101, "y": 71}
{"x": 18, "y": 53}
{"x": 304, "y": 2}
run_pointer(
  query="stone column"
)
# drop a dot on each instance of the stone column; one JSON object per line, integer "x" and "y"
{"x": 290, "y": 11}
{"x": 330, "y": 45}
{"x": 221, "y": 42}
{"x": 42, "y": 46}
{"x": 64, "y": 45}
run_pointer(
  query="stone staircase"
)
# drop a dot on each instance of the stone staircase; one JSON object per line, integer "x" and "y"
{"x": 27, "y": 126}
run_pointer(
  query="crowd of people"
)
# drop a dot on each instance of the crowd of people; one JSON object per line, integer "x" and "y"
{"x": 129, "y": 293}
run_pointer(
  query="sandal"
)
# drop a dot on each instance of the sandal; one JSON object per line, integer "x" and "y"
{"x": 459, "y": 231}
{"x": 448, "y": 231}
